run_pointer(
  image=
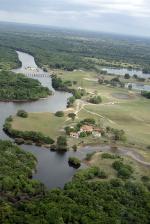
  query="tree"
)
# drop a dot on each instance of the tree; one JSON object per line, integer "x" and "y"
{"x": 70, "y": 101}
{"x": 95, "y": 99}
{"x": 72, "y": 116}
{"x": 62, "y": 143}
{"x": 22, "y": 113}
{"x": 59, "y": 114}
{"x": 127, "y": 76}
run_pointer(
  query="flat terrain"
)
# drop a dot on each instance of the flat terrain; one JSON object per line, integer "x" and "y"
{"x": 139, "y": 170}
{"x": 47, "y": 123}
{"x": 121, "y": 108}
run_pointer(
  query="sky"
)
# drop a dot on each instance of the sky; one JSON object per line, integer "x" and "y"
{"x": 117, "y": 16}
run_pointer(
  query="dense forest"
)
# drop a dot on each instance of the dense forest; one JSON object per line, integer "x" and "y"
{"x": 8, "y": 58}
{"x": 18, "y": 87}
{"x": 57, "y": 48}
{"x": 85, "y": 200}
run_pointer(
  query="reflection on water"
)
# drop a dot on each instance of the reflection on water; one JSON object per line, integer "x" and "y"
{"x": 123, "y": 71}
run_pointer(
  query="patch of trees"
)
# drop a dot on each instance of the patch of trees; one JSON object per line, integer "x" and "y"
{"x": 59, "y": 114}
{"x": 146, "y": 94}
{"x": 117, "y": 134}
{"x": 109, "y": 156}
{"x": 72, "y": 116}
{"x": 95, "y": 99}
{"x": 22, "y": 113}
{"x": 124, "y": 171}
{"x": 75, "y": 162}
{"x": 70, "y": 101}
{"x": 61, "y": 85}
{"x": 8, "y": 59}
{"x": 61, "y": 144}
{"x": 113, "y": 82}
{"x": 85, "y": 199}
{"x": 15, "y": 170}
{"x": 29, "y": 136}
{"x": 127, "y": 76}
{"x": 17, "y": 87}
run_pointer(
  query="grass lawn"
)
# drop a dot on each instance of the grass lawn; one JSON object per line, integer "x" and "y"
{"x": 47, "y": 123}
{"x": 131, "y": 116}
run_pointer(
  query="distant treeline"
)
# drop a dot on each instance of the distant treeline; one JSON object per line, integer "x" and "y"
{"x": 74, "y": 50}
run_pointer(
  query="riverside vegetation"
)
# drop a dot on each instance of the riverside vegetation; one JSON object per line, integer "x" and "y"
{"x": 17, "y": 87}
{"x": 87, "y": 199}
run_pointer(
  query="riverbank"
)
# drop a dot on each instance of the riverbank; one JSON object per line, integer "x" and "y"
{"x": 58, "y": 102}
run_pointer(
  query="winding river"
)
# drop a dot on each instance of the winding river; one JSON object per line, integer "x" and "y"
{"x": 52, "y": 167}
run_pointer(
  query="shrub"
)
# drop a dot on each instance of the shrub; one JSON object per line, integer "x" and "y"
{"x": 59, "y": 114}
{"x": 109, "y": 156}
{"x": 127, "y": 76}
{"x": 62, "y": 143}
{"x": 72, "y": 115}
{"x": 22, "y": 113}
{"x": 75, "y": 162}
{"x": 74, "y": 147}
{"x": 124, "y": 171}
{"x": 89, "y": 156}
{"x": 83, "y": 135}
{"x": 95, "y": 99}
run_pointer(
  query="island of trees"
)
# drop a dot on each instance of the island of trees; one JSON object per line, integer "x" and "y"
{"x": 17, "y": 87}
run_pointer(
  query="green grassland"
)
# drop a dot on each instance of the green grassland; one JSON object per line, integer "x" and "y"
{"x": 139, "y": 170}
{"x": 47, "y": 123}
{"x": 131, "y": 114}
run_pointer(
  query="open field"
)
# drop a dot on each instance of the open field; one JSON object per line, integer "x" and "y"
{"x": 47, "y": 123}
{"x": 130, "y": 113}
{"x": 121, "y": 108}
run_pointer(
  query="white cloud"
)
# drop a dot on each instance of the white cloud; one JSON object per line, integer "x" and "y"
{"x": 107, "y": 15}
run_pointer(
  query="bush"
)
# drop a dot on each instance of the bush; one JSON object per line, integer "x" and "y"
{"x": 72, "y": 115}
{"x": 109, "y": 156}
{"x": 75, "y": 148}
{"x": 95, "y": 100}
{"x": 62, "y": 143}
{"x": 22, "y": 113}
{"x": 124, "y": 171}
{"x": 127, "y": 76}
{"x": 146, "y": 94}
{"x": 59, "y": 114}
{"x": 75, "y": 162}
{"x": 89, "y": 156}
{"x": 83, "y": 135}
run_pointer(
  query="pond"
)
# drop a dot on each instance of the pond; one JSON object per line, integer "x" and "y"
{"x": 123, "y": 71}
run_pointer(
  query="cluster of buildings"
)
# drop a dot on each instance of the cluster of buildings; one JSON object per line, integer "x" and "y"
{"x": 96, "y": 132}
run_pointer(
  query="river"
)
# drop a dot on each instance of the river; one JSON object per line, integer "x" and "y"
{"x": 52, "y": 167}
